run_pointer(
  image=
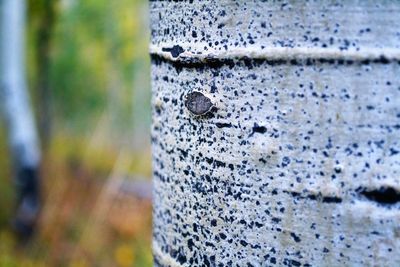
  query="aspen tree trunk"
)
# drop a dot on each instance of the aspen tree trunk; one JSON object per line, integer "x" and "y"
{"x": 15, "y": 105}
{"x": 276, "y": 133}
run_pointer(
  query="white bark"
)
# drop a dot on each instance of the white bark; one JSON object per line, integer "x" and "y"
{"x": 298, "y": 162}
{"x": 19, "y": 118}
{"x": 14, "y": 94}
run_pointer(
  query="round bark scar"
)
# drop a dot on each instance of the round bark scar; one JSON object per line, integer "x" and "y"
{"x": 198, "y": 104}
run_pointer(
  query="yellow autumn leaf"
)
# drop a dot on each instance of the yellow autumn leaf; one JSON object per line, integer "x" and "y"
{"x": 79, "y": 263}
{"x": 124, "y": 255}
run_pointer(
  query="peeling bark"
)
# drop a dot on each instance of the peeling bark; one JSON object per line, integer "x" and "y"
{"x": 299, "y": 163}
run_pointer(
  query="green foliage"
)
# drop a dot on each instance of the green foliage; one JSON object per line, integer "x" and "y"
{"x": 97, "y": 45}
{"x": 98, "y": 68}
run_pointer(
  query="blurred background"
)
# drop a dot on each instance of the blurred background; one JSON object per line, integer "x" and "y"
{"x": 88, "y": 80}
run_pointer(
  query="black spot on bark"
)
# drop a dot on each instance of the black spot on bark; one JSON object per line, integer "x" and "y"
{"x": 243, "y": 243}
{"x": 175, "y": 51}
{"x": 289, "y": 262}
{"x": 190, "y": 244}
{"x": 206, "y": 261}
{"x": 276, "y": 220}
{"x": 331, "y": 200}
{"x": 223, "y": 125}
{"x": 219, "y": 163}
{"x": 316, "y": 197}
{"x": 181, "y": 258}
{"x": 382, "y": 195}
{"x": 295, "y": 237}
{"x": 258, "y": 129}
{"x": 222, "y": 235}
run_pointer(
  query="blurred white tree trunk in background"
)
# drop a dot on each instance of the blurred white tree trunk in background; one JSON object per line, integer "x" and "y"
{"x": 17, "y": 111}
{"x": 296, "y": 160}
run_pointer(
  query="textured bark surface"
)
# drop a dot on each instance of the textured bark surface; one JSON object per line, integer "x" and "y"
{"x": 298, "y": 161}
